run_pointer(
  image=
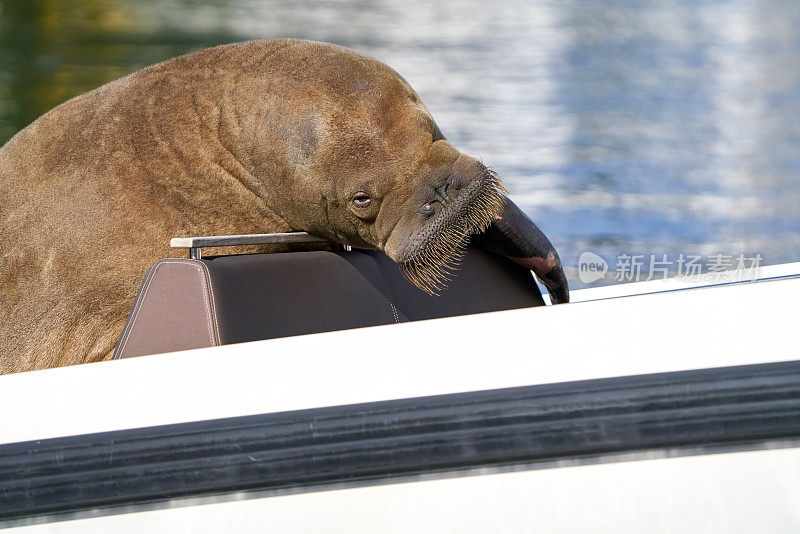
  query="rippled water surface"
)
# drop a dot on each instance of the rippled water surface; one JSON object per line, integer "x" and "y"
{"x": 621, "y": 127}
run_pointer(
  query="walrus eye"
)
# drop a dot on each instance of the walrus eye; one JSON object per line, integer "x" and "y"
{"x": 362, "y": 200}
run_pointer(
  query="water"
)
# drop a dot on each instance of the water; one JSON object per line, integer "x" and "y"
{"x": 621, "y": 127}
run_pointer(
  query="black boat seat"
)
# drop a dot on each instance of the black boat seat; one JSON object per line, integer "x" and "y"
{"x": 193, "y": 303}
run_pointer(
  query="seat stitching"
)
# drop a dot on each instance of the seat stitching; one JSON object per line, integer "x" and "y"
{"x": 388, "y": 291}
{"x": 135, "y": 312}
{"x": 211, "y": 314}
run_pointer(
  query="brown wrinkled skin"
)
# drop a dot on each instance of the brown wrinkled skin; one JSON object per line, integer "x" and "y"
{"x": 254, "y": 137}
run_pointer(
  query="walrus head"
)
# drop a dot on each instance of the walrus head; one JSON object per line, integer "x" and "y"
{"x": 423, "y": 218}
{"x": 370, "y": 166}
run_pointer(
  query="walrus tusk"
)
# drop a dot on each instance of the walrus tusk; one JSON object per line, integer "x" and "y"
{"x": 514, "y": 235}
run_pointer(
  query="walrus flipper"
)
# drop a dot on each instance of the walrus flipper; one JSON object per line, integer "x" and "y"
{"x": 515, "y": 235}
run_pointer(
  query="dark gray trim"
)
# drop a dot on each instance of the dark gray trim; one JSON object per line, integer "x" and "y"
{"x": 703, "y": 408}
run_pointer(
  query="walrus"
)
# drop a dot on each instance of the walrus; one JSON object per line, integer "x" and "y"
{"x": 253, "y": 137}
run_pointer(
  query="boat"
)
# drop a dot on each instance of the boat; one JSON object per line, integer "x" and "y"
{"x": 311, "y": 390}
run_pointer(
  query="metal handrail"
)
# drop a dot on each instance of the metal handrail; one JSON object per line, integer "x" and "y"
{"x": 194, "y": 244}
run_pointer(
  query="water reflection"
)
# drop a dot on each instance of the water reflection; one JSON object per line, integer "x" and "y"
{"x": 622, "y": 127}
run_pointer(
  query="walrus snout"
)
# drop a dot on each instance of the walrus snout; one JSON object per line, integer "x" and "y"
{"x": 450, "y": 206}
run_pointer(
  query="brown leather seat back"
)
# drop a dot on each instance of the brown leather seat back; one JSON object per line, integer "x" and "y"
{"x": 173, "y": 310}
{"x": 186, "y": 303}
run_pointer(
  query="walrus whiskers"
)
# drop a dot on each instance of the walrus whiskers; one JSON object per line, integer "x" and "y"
{"x": 444, "y": 240}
